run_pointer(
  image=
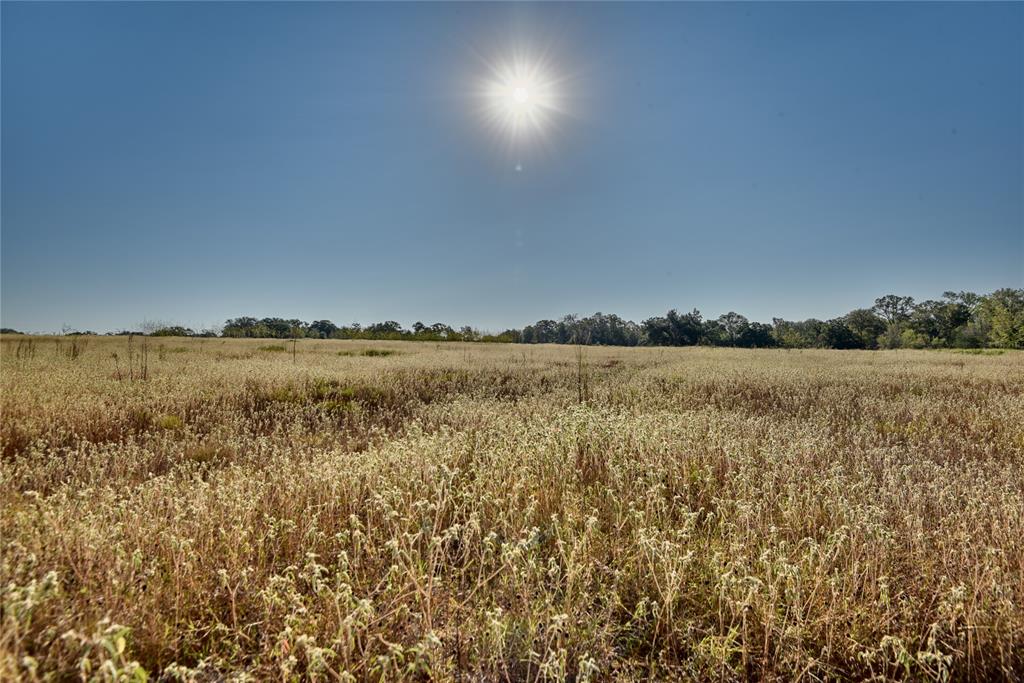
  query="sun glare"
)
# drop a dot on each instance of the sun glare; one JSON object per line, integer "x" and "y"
{"x": 520, "y": 98}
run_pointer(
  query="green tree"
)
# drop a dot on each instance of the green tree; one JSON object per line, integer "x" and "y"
{"x": 1003, "y": 311}
{"x": 174, "y": 331}
{"x": 866, "y": 326}
{"x": 685, "y": 329}
{"x": 322, "y": 329}
{"x": 656, "y": 331}
{"x": 894, "y": 309}
{"x": 756, "y": 336}
{"x": 733, "y": 325}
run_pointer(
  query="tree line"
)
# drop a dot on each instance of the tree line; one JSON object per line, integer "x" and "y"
{"x": 280, "y": 328}
{"x": 956, "y": 320}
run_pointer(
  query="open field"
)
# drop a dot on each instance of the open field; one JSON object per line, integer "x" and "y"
{"x": 518, "y": 513}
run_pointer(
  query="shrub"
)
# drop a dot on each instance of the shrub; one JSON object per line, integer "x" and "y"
{"x": 169, "y": 422}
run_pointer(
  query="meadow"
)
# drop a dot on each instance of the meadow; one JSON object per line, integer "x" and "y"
{"x": 209, "y": 509}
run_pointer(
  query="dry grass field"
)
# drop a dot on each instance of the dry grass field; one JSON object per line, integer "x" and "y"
{"x": 202, "y": 509}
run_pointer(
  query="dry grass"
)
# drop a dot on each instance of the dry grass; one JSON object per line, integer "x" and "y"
{"x": 456, "y": 509}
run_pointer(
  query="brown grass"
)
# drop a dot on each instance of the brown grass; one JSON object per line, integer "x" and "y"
{"x": 509, "y": 513}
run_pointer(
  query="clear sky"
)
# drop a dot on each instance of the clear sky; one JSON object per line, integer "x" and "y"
{"x": 193, "y": 162}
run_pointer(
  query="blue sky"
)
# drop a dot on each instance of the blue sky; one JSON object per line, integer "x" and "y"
{"x": 192, "y": 162}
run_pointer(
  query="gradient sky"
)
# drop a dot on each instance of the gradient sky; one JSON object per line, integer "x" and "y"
{"x": 193, "y": 162}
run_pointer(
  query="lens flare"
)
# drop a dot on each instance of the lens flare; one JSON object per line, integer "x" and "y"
{"x": 520, "y": 98}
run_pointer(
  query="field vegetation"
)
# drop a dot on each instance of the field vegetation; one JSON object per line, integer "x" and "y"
{"x": 203, "y": 509}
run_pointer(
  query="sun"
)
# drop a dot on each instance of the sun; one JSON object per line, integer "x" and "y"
{"x": 521, "y": 97}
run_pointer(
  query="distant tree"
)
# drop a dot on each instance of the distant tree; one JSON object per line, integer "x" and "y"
{"x": 1003, "y": 312}
{"x": 787, "y": 334}
{"x": 866, "y": 326}
{"x": 968, "y": 299}
{"x": 278, "y": 328}
{"x": 838, "y": 335}
{"x": 911, "y": 339}
{"x": 894, "y": 309}
{"x": 756, "y": 336}
{"x": 388, "y": 329}
{"x": 971, "y": 331}
{"x": 545, "y": 332}
{"x": 938, "y": 322}
{"x": 800, "y": 334}
{"x": 892, "y": 338}
{"x": 713, "y": 333}
{"x": 240, "y": 327}
{"x": 442, "y": 331}
{"x": 685, "y": 329}
{"x": 657, "y": 331}
{"x": 321, "y": 329}
{"x": 610, "y": 329}
{"x": 733, "y": 325}
{"x": 599, "y": 328}
{"x": 567, "y": 330}
{"x": 173, "y": 331}
{"x": 953, "y": 315}
{"x": 148, "y": 327}
{"x": 505, "y": 337}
